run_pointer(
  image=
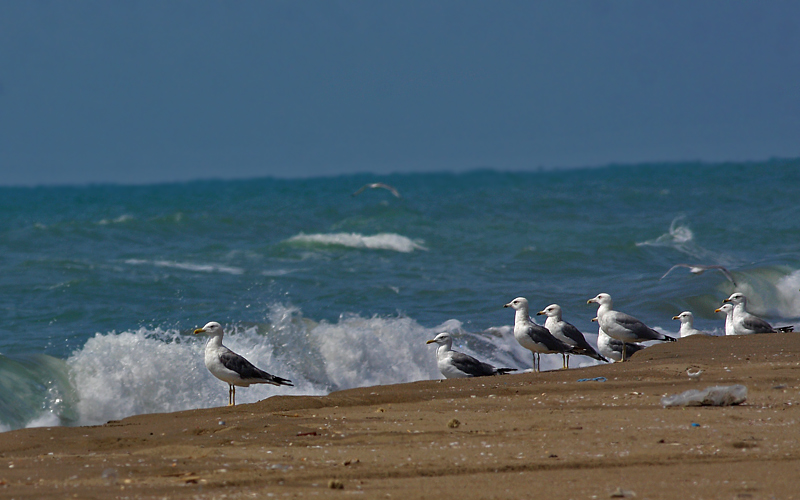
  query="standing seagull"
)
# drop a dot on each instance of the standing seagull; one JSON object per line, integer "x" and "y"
{"x": 745, "y": 323}
{"x": 612, "y": 348}
{"x": 533, "y": 337}
{"x": 229, "y": 367}
{"x": 454, "y": 364}
{"x": 622, "y": 326}
{"x": 687, "y": 324}
{"x": 378, "y": 185}
{"x": 728, "y": 310}
{"x": 568, "y": 334}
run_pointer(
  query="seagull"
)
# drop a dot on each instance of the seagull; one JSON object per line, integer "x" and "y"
{"x": 454, "y": 364}
{"x": 568, "y": 334}
{"x": 622, "y": 326}
{"x": 687, "y": 324}
{"x": 533, "y": 337}
{"x": 229, "y": 367}
{"x": 743, "y": 322}
{"x": 698, "y": 269}
{"x": 612, "y": 348}
{"x": 378, "y": 185}
{"x": 728, "y": 310}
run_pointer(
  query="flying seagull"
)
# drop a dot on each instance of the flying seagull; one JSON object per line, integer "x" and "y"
{"x": 698, "y": 269}
{"x": 378, "y": 185}
{"x": 533, "y": 337}
{"x": 622, "y": 326}
{"x": 569, "y": 334}
{"x": 229, "y": 367}
{"x": 454, "y": 364}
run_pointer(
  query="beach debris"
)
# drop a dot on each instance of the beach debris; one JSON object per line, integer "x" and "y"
{"x": 620, "y": 493}
{"x": 109, "y": 476}
{"x": 595, "y": 379}
{"x": 453, "y": 423}
{"x": 335, "y": 484}
{"x": 718, "y": 395}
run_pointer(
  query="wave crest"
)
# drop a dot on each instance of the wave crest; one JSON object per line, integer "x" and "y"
{"x": 381, "y": 241}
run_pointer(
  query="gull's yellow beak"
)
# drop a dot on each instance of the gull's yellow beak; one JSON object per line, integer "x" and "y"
{"x": 431, "y": 342}
{"x": 717, "y": 310}
{"x": 594, "y": 319}
{"x": 540, "y": 313}
{"x": 199, "y": 330}
{"x": 676, "y": 317}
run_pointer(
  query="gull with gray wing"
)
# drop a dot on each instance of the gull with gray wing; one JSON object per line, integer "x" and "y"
{"x": 533, "y": 337}
{"x": 229, "y": 367}
{"x": 454, "y": 364}
{"x": 569, "y": 334}
{"x": 621, "y": 326}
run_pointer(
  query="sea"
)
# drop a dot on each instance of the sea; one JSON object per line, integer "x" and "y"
{"x": 102, "y": 286}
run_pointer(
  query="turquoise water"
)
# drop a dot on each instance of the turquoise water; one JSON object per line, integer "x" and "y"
{"x": 103, "y": 285}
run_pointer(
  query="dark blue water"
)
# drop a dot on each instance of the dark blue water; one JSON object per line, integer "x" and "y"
{"x": 103, "y": 285}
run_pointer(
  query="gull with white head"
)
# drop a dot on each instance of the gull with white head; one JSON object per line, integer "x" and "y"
{"x": 743, "y": 322}
{"x": 454, "y": 364}
{"x": 700, "y": 269}
{"x": 621, "y": 326}
{"x": 687, "y": 324}
{"x": 612, "y": 348}
{"x": 567, "y": 333}
{"x": 229, "y": 367}
{"x": 533, "y": 337}
{"x": 728, "y": 310}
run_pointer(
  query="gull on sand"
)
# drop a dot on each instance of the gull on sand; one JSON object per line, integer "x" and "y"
{"x": 567, "y": 333}
{"x": 687, "y": 324}
{"x": 454, "y": 364}
{"x": 229, "y": 367}
{"x": 745, "y": 323}
{"x": 728, "y": 310}
{"x": 612, "y": 348}
{"x": 533, "y": 337}
{"x": 621, "y": 326}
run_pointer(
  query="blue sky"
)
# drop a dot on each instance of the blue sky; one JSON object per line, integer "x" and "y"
{"x": 153, "y": 91}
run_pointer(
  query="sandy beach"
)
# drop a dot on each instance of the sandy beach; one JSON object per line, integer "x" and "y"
{"x": 531, "y": 435}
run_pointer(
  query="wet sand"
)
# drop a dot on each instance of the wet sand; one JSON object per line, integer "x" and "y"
{"x": 545, "y": 435}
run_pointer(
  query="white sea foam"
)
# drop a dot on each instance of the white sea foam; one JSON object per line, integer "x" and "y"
{"x": 46, "y": 419}
{"x": 146, "y": 371}
{"x": 788, "y": 289}
{"x": 381, "y": 241}
{"x": 681, "y": 238}
{"x": 118, "y": 220}
{"x": 187, "y": 266}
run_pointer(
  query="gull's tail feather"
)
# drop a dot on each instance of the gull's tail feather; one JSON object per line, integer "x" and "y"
{"x": 503, "y": 371}
{"x": 275, "y": 380}
{"x": 587, "y": 351}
